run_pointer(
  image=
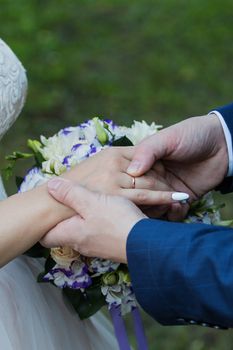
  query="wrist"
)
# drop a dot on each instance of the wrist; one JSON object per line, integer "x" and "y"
{"x": 50, "y": 212}
{"x": 132, "y": 223}
{"x": 228, "y": 140}
{"x": 218, "y": 133}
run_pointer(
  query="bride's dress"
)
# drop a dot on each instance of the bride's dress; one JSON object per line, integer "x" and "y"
{"x": 33, "y": 316}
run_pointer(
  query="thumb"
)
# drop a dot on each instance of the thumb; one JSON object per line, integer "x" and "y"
{"x": 70, "y": 194}
{"x": 147, "y": 153}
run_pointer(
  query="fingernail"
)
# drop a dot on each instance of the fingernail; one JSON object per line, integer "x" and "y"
{"x": 180, "y": 197}
{"x": 54, "y": 183}
{"x": 133, "y": 168}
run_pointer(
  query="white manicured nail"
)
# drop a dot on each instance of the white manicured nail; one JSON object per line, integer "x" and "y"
{"x": 180, "y": 197}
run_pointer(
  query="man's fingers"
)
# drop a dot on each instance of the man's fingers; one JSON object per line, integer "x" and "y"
{"x": 177, "y": 212}
{"x": 147, "y": 197}
{"x": 63, "y": 233}
{"x": 142, "y": 161}
{"x": 149, "y": 151}
{"x": 70, "y": 194}
{"x": 156, "y": 211}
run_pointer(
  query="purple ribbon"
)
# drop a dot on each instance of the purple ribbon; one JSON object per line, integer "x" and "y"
{"x": 139, "y": 330}
{"x": 120, "y": 330}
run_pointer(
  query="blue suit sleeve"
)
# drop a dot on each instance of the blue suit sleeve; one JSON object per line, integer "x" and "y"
{"x": 227, "y": 113}
{"x": 183, "y": 273}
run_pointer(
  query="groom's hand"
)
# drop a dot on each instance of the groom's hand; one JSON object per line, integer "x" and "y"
{"x": 193, "y": 154}
{"x": 106, "y": 172}
{"x": 102, "y": 223}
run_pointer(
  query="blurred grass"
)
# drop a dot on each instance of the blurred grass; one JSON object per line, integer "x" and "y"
{"x": 158, "y": 60}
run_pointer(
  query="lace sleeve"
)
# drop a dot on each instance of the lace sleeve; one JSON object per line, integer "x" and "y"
{"x": 2, "y": 190}
{"x": 13, "y": 87}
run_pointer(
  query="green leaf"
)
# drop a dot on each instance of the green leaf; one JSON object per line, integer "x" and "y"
{"x": 225, "y": 223}
{"x": 18, "y": 181}
{"x": 49, "y": 264}
{"x": 34, "y": 145}
{"x": 101, "y": 133}
{"x": 86, "y": 304}
{"x": 37, "y": 251}
{"x": 215, "y": 208}
{"x": 73, "y": 296}
{"x": 8, "y": 171}
{"x": 200, "y": 207}
{"x": 122, "y": 142}
{"x": 18, "y": 155}
{"x": 197, "y": 206}
{"x": 39, "y": 159}
{"x": 40, "y": 277}
{"x": 106, "y": 126}
{"x": 92, "y": 304}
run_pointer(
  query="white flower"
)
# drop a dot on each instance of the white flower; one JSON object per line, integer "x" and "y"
{"x": 60, "y": 144}
{"x": 88, "y": 132}
{"x": 139, "y": 131}
{"x": 113, "y": 294}
{"x": 101, "y": 266}
{"x": 128, "y": 300}
{"x": 54, "y": 166}
{"x": 34, "y": 178}
{"x": 119, "y": 295}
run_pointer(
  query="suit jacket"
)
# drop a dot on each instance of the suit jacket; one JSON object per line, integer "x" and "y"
{"x": 183, "y": 274}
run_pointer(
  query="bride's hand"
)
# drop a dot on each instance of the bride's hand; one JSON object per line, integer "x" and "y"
{"x": 105, "y": 172}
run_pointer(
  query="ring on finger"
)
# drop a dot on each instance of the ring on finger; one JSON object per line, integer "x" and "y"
{"x": 133, "y": 182}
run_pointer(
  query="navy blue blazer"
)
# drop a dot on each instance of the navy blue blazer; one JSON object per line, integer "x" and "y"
{"x": 183, "y": 274}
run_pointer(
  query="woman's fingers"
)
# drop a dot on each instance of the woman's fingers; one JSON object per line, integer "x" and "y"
{"x": 127, "y": 152}
{"x": 148, "y": 197}
{"x": 149, "y": 181}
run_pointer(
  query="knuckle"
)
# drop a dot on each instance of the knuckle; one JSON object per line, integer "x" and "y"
{"x": 44, "y": 243}
{"x": 150, "y": 182}
{"x": 83, "y": 246}
{"x": 84, "y": 251}
{"x": 111, "y": 151}
{"x": 116, "y": 191}
{"x": 142, "y": 148}
{"x": 142, "y": 197}
{"x": 66, "y": 193}
{"x": 163, "y": 197}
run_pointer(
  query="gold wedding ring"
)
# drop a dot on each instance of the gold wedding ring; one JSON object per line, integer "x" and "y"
{"x": 133, "y": 182}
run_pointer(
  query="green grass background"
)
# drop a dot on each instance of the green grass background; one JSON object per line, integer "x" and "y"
{"x": 161, "y": 60}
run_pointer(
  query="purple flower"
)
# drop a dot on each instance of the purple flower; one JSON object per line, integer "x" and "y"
{"x": 110, "y": 122}
{"x": 74, "y": 277}
{"x": 85, "y": 124}
{"x": 101, "y": 266}
{"x": 75, "y": 147}
{"x": 66, "y": 160}
{"x": 65, "y": 131}
{"x": 93, "y": 149}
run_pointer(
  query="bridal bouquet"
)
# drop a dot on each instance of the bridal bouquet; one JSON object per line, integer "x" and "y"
{"x": 90, "y": 283}
{"x": 87, "y": 283}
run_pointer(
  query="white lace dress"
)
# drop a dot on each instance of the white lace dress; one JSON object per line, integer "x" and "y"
{"x": 33, "y": 316}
